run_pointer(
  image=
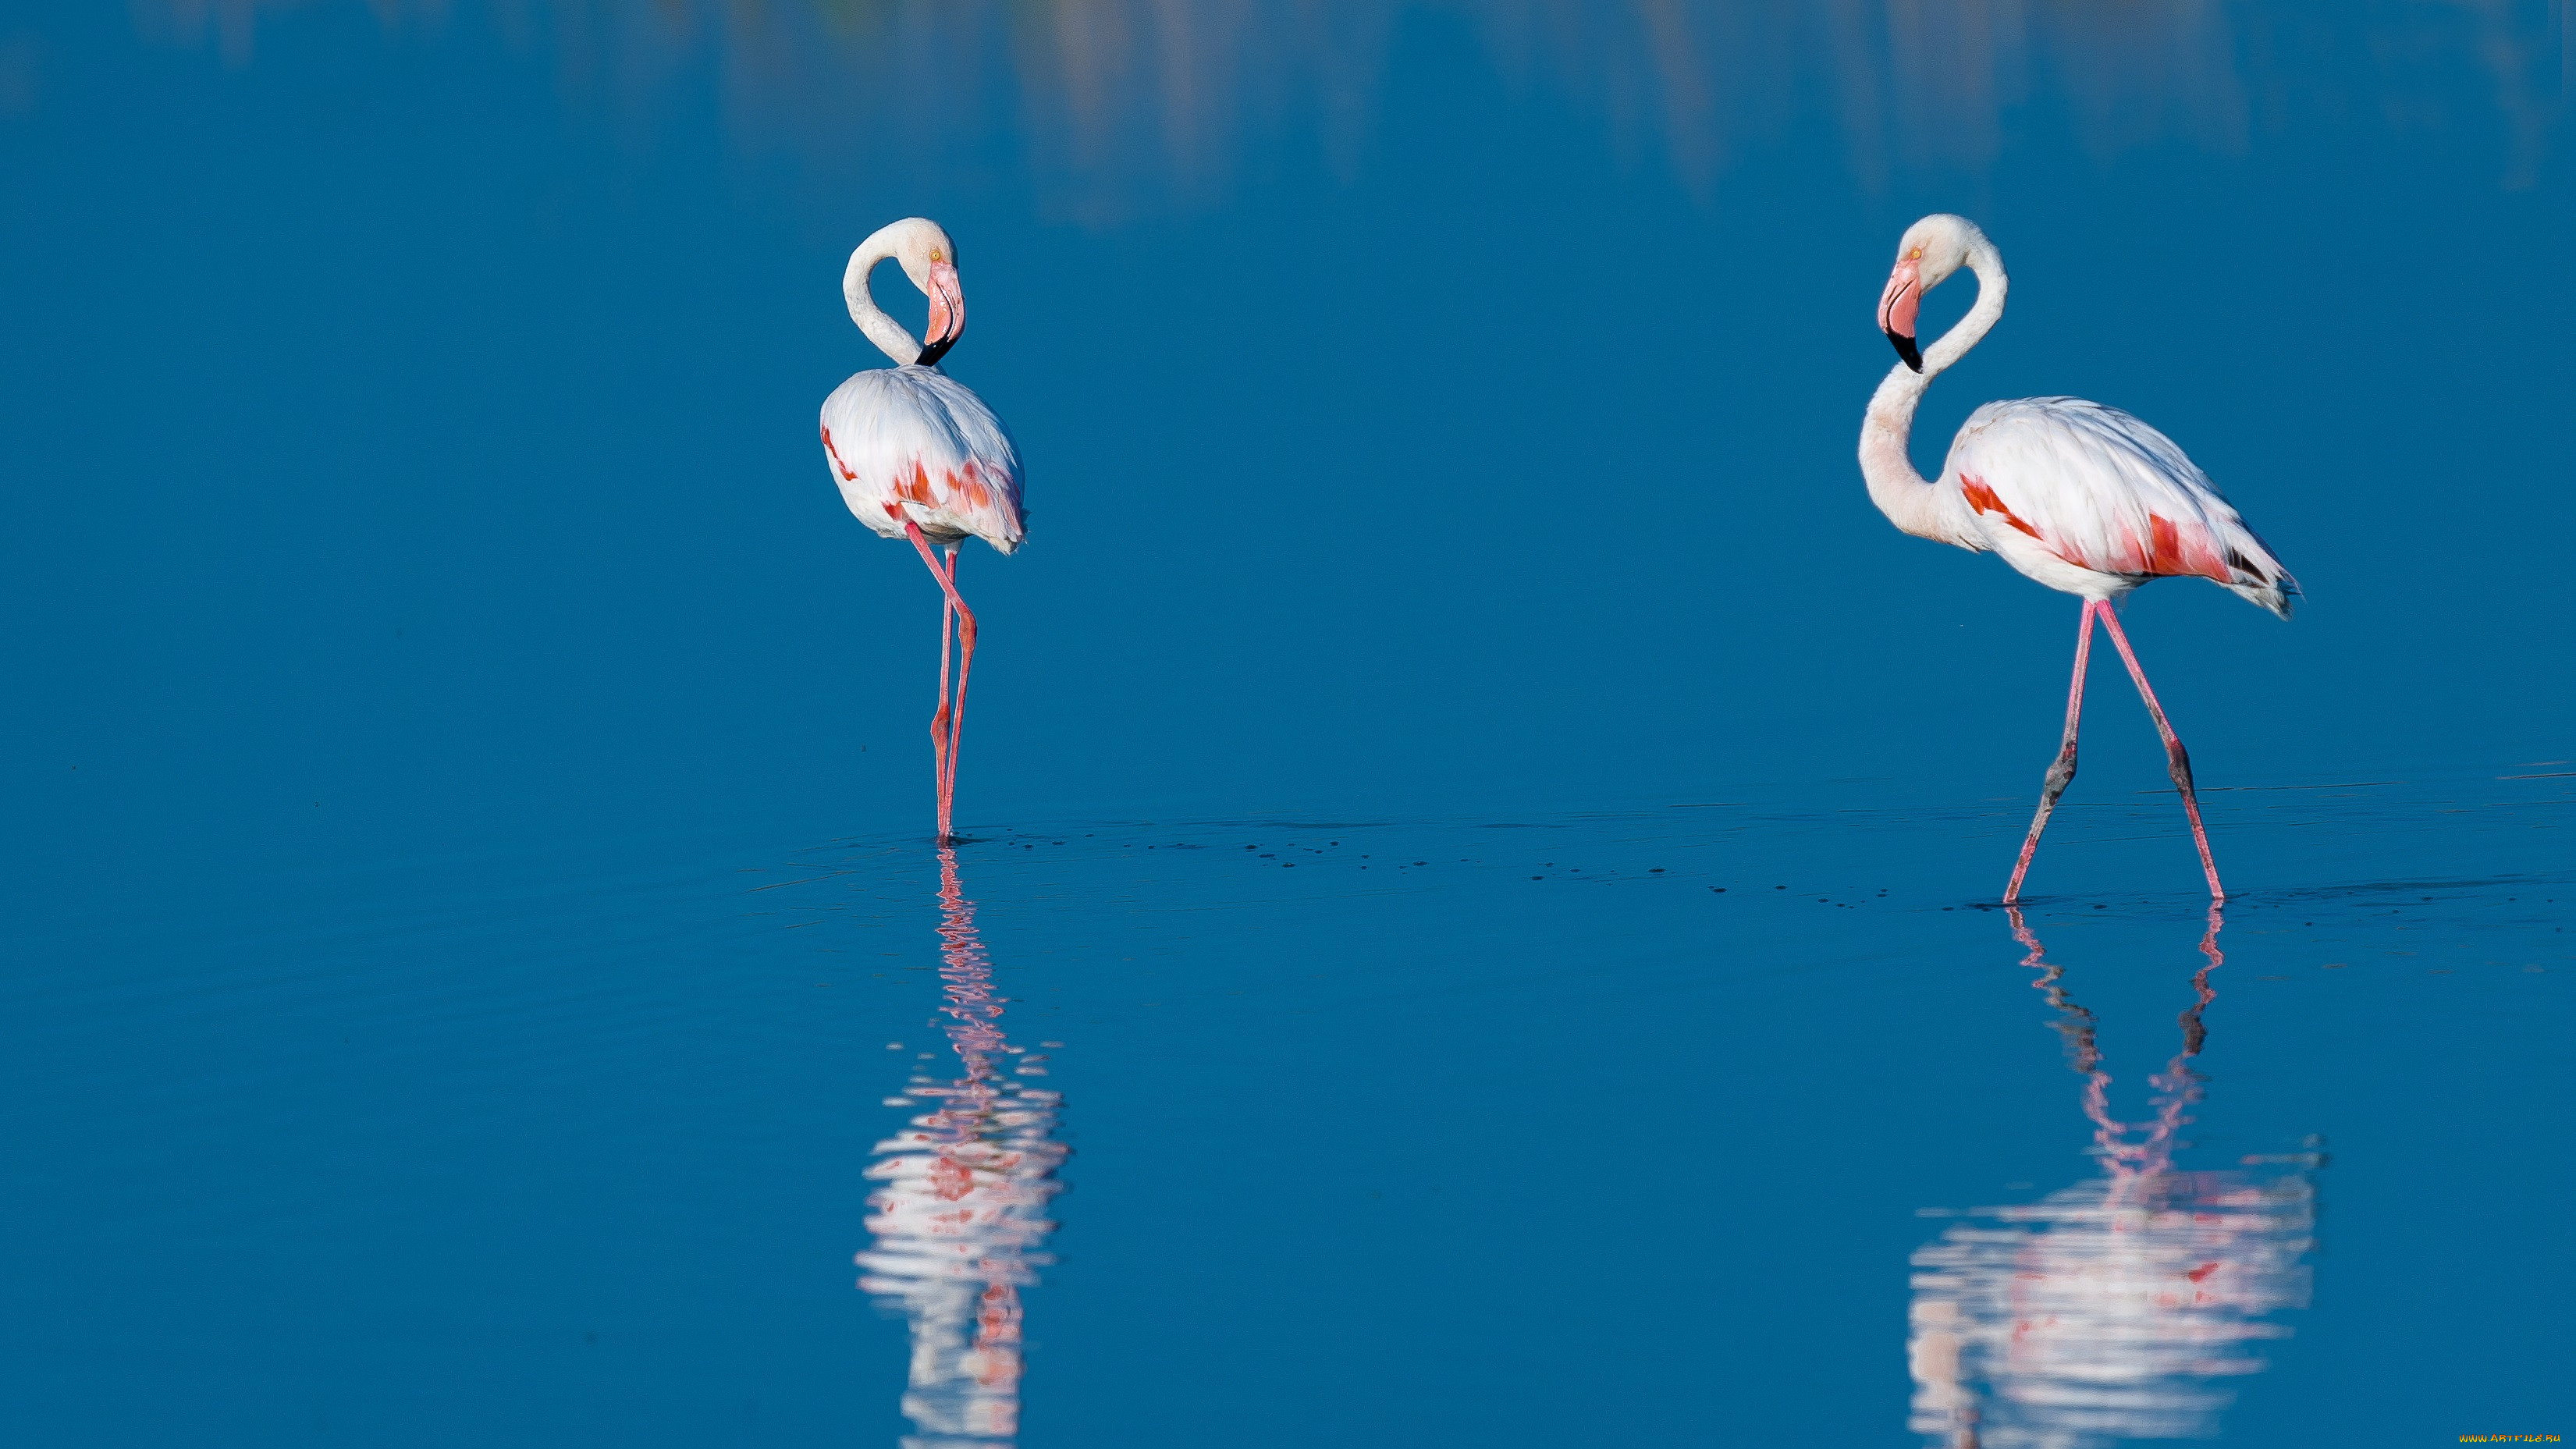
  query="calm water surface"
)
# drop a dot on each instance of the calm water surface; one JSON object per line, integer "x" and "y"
{"x": 1480, "y": 918}
{"x": 1694, "y": 1121}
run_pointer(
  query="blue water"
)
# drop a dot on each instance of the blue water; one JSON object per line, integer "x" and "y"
{"x": 1479, "y": 921}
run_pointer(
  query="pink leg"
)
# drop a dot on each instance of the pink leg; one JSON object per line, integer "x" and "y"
{"x": 945, "y": 761}
{"x": 965, "y": 661}
{"x": 2062, "y": 769}
{"x": 2178, "y": 763}
{"x": 939, "y": 716}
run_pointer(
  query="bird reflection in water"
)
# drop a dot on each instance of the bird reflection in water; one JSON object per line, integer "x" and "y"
{"x": 2107, "y": 1309}
{"x": 961, "y": 1214}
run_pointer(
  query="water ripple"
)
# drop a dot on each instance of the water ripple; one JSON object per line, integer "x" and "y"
{"x": 961, "y": 1215}
{"x": 2109, "y": 1308}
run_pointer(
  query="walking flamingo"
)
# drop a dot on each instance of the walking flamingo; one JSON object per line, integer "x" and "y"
{"x": 919, "y": 457}
{"x": 2083, "y": 498}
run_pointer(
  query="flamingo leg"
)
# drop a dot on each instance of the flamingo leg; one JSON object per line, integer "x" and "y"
{"x": 944, "y": 761}
{"x": 939, "y": 716}
{"x": 965, "y": 661}
{"x": 2062, "y": 769}
{"x": 2176, "y": 762}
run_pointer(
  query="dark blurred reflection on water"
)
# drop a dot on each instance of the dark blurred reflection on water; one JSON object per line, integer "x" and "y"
{"x": 1121, "y": 103}
{"x": 2105, "y": 1310}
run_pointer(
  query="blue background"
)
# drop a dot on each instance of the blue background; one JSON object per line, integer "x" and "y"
{"x": 416, "y": 419}
{"x": 424, "y": 588}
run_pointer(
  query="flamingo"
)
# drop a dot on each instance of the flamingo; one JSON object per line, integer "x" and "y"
{"x": 917, "y": 456}
{"x": 2083, "y": 498}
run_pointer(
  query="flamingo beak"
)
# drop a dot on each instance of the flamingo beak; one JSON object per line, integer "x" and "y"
{"x": 1896, "y": 309}
{"x": 947, "y": 313}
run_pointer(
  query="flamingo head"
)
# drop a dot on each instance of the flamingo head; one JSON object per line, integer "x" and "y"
{"x": 1930, "y": 251}
{"x": 929, "y": 258}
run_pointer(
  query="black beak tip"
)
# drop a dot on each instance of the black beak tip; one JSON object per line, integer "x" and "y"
{"x": 1905, "y": 349}
{"x": 930, "y": 355}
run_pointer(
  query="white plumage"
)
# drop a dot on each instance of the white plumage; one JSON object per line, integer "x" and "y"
{"x": 2053, "y": 482}
{"x": 912, "y": 442}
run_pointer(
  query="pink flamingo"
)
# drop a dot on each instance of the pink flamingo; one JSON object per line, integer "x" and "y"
{"x": 918, "y": 456}
{"x": 2083, "y": 498}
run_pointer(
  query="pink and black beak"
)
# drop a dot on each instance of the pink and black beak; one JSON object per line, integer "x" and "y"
{"x": 947, "y": 314}
{"x": 1896, "y": 309}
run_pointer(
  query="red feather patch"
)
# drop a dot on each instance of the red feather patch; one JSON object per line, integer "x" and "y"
{"x": 1983, "y": 499}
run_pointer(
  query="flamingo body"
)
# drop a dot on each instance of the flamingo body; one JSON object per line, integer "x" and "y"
{"x": 2093, "y": 502}
{"x": 911, "y": 443}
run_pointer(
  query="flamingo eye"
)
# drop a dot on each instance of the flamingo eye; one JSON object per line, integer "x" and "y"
{"x": 934, "y": 254}
{"x": 1915, "y": 255}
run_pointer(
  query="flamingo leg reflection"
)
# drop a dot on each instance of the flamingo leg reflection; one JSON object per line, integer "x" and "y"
{"x": 959, "y": 1221}
{"x": 2113, "y": 1308}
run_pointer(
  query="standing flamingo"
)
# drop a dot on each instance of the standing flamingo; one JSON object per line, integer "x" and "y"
{"x": 2083, "y": 498}
{"x": 918, "y": 456}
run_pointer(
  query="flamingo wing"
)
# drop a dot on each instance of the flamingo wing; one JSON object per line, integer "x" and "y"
{"x": 2104, "y": 491}
{"x": 913, "y": 444}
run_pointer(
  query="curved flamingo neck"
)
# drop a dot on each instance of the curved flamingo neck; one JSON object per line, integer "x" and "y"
{"x": 1908, "y": 500}
{"x": 889, "y": 335}
{"x": 1970, "y": 330}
